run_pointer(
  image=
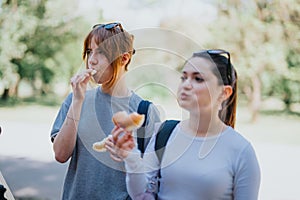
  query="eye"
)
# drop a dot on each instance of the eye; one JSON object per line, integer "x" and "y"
{"x": 182, "y": 78}
{"x": 99, "y": 51}
{"x": 199, "y": 79}
{"x": 88, "y": 52}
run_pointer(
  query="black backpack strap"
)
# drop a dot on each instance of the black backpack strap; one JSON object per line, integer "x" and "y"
{"x": 2, "y": 191}
{"x": 142, "y": 109}
{"x": 162, "y": 137}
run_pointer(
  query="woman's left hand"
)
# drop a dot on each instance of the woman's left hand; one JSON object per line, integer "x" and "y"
{"x": 111, "y": 148}
{"x": 119, "y": 146}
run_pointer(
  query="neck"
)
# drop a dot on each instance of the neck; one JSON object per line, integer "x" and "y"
{"x": 117, "y": 90}
{"x": 204, "y": 126}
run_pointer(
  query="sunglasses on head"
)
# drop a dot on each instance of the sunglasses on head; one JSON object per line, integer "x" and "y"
{"x": 109, "y": 26}
{"x": 220, "y": 52}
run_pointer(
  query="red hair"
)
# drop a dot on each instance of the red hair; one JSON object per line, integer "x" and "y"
{"x": 113, "y": 44}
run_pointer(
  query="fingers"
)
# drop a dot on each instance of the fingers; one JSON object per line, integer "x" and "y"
{"x": 88, "y": 75}
{"x": 124, "y": 141}
{"x": 116, "y": 132}
{"x": 81, "y": 78}
{"x": 115, "y": 158}
{"x": 119, "y": 144}
{"x": 109, "y": 141}
{"x": 74, "y": 80}
{"x": 121, "y": 141}
{"x": 127, "y": 146}
{"x": 110, "y": 146}
{"x": 113, "y": 154}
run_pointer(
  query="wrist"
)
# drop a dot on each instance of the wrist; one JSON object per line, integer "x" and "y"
{"x": 133, "y": 163}
{"x": 75, "y": 110}
{"x": 73, "y": 118}
{"x": 77, "y": 101}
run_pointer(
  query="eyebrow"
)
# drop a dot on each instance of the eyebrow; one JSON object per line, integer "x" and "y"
{"x": 194, "y": 73}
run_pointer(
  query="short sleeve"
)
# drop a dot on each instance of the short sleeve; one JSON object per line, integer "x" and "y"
{"x": 61, "y": 115}
{"x": 247, "y": 175}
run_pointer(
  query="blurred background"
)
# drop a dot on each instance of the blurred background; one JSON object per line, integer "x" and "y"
{"x": 41, "y": 49}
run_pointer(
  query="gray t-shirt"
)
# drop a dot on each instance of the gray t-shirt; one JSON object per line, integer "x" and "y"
{"x": 93, "y": 175}
{"x": 198, "y": 168}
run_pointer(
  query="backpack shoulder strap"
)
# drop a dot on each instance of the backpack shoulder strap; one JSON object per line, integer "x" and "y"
{"x": 162, "y": 137}
{"x": 163, "y": 134}
{"x": 142, "y": 109}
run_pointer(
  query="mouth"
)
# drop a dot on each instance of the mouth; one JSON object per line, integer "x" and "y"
{"x": 184, "y": 96}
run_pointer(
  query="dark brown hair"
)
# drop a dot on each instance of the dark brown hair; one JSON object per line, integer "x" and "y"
{"x": 228, "y": 112}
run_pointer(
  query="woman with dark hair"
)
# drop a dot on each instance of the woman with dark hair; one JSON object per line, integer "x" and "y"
{"x": 85, "y": 116}
{"x": 204, "y": 157}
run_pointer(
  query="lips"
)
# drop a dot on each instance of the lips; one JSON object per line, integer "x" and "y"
{"x": 184, "y": 95}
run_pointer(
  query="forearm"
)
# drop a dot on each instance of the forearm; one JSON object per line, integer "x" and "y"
{"x": 136, "y": 180}
{"x": 65, "y": 140}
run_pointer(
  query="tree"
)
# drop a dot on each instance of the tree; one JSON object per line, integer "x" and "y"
{"x": 261, "y": 36}
{"x": 33, "y": 38}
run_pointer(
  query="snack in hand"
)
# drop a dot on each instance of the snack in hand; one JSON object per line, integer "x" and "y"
{"x": 128, "y": 122}
{"x": 125, "y": 121}
{"x": 100, "y": 146}
{"x": 93, "y": 72}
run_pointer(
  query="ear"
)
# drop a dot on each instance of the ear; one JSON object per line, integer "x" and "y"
{"x": 125, "y": 58}
{"x": 226, "y": 92}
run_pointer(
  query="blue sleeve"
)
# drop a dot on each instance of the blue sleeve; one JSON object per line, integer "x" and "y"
{"x": 60, "y": 118}
{"x": 247, "y": 175}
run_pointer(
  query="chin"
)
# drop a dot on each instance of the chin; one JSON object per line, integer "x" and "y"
{"x": 185, "y": 105}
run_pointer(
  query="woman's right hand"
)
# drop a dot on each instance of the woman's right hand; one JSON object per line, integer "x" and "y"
{"x": 79, "y": 84}
{"x": 120, "y": 145}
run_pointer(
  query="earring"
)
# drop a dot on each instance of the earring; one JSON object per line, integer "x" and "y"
{"x": 220, "y": 107}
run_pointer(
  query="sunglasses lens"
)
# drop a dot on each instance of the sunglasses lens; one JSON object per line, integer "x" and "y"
{"x": 215, "y": 51}
{"x": 108, "y": 26}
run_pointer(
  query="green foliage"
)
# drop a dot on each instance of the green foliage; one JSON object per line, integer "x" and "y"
{"x": 33, "y": 43}
{"x": 293, "y": 59}
{"x": 264, "y": 41}
{"x": 41, "y": 43}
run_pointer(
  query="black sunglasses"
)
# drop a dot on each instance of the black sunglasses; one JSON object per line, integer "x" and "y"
{"x": 219, "y": 52}
{"x": 109, "y": 26}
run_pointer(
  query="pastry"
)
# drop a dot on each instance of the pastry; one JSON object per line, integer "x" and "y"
{"x": 125, "y": 121}
{"x": 93, "y": 72}
{"x": 128, "y": 122}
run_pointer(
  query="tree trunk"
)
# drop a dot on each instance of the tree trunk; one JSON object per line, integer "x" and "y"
{"x": 5, "y": 95}
{"x": 287, "y": 97}
{"x": 255, "y": 101}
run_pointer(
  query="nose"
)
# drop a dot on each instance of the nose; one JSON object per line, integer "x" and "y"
{"x": 187, "y": 84}
{"x": 92, "y": 59}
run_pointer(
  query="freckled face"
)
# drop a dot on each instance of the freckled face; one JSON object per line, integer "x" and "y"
{"x": 199, "y": 87}
{"x": 98, "y": 62}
